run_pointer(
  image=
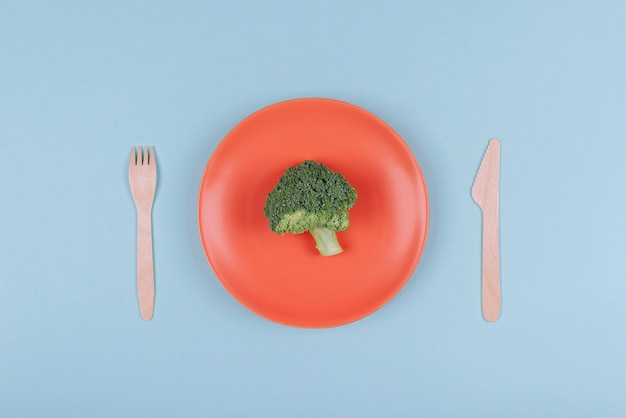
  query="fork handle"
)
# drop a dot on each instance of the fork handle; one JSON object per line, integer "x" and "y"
{"x": 145, "y": 264}
{"x": 491, "y": 297}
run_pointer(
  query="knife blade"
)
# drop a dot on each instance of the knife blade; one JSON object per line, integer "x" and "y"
{"x": 486, "y": 194}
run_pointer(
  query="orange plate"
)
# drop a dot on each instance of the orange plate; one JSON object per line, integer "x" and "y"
{"x": 283, "y": 278}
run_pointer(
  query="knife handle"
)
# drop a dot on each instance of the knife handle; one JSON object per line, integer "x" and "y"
{"x": 491, "y": 296}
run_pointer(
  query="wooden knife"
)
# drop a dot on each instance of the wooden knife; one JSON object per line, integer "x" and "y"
{"x": 486, "y": 194}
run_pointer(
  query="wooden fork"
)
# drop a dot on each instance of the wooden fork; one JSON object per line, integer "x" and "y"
{"x": 142, "y": 174}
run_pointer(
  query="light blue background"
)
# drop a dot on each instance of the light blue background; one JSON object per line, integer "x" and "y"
{"x": 82, "y": 82}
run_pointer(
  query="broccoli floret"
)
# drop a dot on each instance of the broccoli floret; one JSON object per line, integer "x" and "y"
{"x": 311, "y": 197}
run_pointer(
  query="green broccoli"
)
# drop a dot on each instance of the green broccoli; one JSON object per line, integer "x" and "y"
{"x": 311, "y": 197}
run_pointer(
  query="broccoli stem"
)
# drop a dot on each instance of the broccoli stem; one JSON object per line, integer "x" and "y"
{"x": 326, "y": 241}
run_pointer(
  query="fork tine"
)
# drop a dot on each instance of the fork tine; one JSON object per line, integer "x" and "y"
{"x": 142, "y": 155}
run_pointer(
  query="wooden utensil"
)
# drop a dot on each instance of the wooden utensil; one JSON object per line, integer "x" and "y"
{"x": 485, "y": 192}
{"x": 142, "y": 174}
